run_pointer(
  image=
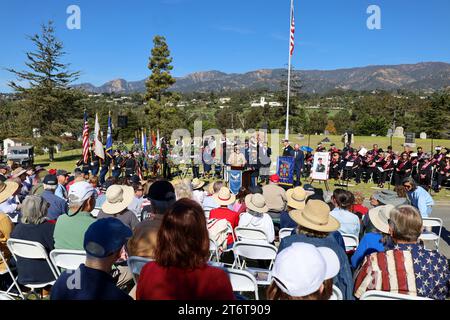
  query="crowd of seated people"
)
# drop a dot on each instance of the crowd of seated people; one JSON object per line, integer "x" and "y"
{"x": 170, "y": 225}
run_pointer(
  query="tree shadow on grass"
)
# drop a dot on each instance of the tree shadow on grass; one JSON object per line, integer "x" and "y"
{"x": 66, "y": 158}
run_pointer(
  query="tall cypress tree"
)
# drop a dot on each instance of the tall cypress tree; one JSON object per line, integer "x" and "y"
{"x": 162, "y": 104}
{"x": 46, "y": 101}
{"x": 160, "y": 65}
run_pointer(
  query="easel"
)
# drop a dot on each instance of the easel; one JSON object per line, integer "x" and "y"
{"x": 327, "y": 187}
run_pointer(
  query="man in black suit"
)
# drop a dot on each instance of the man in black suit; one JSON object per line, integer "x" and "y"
{"x": 288, "y": 151}
{"x": 299, "y": 159}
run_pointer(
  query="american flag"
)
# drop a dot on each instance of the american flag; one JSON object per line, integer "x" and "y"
{"x": 291, "y": 51}
{"x": 85, "y": 139}
{"x": 408, "y": 269}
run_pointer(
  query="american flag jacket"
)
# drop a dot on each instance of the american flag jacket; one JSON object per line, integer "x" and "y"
{"x": 407, "y": 269}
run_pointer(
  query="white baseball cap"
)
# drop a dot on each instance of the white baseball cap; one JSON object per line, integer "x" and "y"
{"x": 301, "y": 268}
{"x": 80, "y": 192}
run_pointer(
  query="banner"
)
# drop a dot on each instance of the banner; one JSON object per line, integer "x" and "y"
{"x": 285, "y": 170}
{"x": 320, "y": 168}
{"x": 235, "y": 180}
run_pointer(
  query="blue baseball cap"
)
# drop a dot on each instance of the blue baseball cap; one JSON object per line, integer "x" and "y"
{"x": 105, "y": 237}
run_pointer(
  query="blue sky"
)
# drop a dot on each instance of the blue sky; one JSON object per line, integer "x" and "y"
{"x": 228, "y": 35}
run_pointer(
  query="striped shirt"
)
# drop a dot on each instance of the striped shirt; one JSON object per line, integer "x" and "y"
{"x": 407, "y": 269}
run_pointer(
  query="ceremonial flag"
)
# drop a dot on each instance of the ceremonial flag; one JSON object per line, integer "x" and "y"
{"x": 235, "y": 180}
{"x": 158, "y": 142}
{"x": 291, "y": 51}
{"x": 285, "y": 170}
{"x": 98, "y": 145}
{"x": 136, "y": 137}
{"x": 144, "y": 141}
{"x": 85, "y": 139}
{"x": 153, "y": 139}
{"x": 109, "y": 139}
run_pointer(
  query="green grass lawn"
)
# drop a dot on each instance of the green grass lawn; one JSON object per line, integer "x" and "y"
{"x": 67, "y": 159}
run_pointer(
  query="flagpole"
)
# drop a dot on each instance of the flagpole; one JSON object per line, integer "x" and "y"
{"x": 286, "y": 136}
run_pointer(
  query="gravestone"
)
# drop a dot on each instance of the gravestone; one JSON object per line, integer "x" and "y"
{"x": 399, "y": 132}
{"x": 423, "y": 135}
{"x": 389, "y": 133}
{"x": 410, "y": 139}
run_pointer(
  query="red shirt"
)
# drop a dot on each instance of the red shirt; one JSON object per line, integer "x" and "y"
{"x": 360, "y": 208}
{"x": 224, "y": 213}
{"x": 206, "y": 283}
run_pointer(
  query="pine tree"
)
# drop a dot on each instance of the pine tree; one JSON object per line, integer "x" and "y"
{"x": 160, "y": 65}
{"x": 46, "y": 101}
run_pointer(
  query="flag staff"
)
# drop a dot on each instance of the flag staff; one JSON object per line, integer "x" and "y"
{"x": 291, "y": 50}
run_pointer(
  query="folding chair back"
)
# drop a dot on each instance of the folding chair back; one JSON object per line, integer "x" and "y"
{"x": 135, "y": 264}
{"x": 31, "y": 250}
{"x": 431, "y": 236}
{"x": 337, "y": 294}
{"x": 4, "y": 296}
{"x": 67, "y": 259}
{"x": 242, "y": 281}
{"x": 14, "y": 279}
{"x": 285, "y": 232}
{"x": 244, "y": 233}
{"x": 384, "y": 295}
{"x": 255, "y": 251}
{"x": 214, "y": 251}
{"x": 351, "y": 241}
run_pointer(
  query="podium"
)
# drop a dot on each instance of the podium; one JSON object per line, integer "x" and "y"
{"x": 246, "y": 175}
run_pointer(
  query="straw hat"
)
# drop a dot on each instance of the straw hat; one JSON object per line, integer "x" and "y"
{"x": 117, "y": 199}
{"x": 224, "y": 197}
{"x": 315, "y": 216}
{"x": 18, "y": 172}
{"x": 379, "y": 217}
{"x": 296, "y": 198}
{"x": 256, "y": 202}
{"x": 197, "y": 183}
{"x": 7, "y": 189}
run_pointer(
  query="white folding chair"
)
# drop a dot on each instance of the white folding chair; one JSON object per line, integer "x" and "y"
{"x": 214, "y": 251}
{"x": 67, "y": 259}
{"x": 336, "y": 294}
{"x": 31, "y": 250}
{"x": 384, "y": 295}
{"x": 4, "y": 296}
{"x": 429, "y": 235}
{"x": 285, "y": 232}
{"x": 251, "y": 234}
{"x": 351, "y": 241}
{"x": 14, "y": 279}
{"x": 135, "y": 264}
{"x": 242, "y": 281}
{"x": 254, "y": 251}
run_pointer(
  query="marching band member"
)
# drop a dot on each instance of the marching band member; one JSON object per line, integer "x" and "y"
{"x": 425, "y": 172}
{"x": 443, "y": 172}
{"x": 402, "y": 169}
{"x": 385, "y": 167}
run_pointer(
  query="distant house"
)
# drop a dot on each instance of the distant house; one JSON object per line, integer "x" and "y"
{"x": 224, "y": 100}
{"x": 275, "y": 104}
{"x": 262, "y": 103}
{"x": 7, "y": 143}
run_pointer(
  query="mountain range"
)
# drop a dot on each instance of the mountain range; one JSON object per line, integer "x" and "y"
{"x": 426, "y": 76}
